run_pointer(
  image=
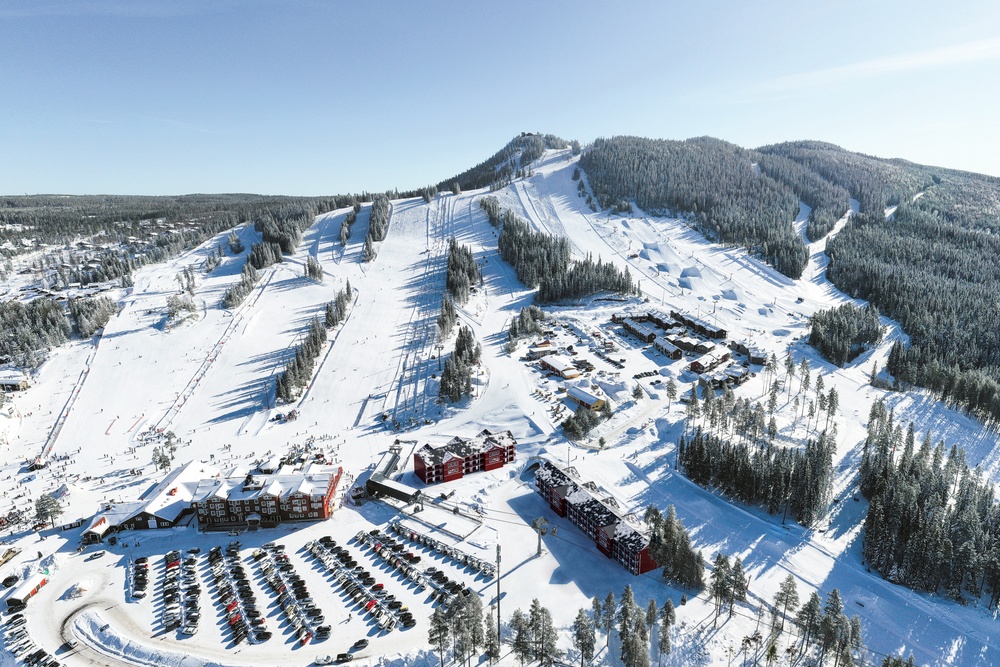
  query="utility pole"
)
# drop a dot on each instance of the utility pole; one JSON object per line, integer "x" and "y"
{"x": 498, "y": 594}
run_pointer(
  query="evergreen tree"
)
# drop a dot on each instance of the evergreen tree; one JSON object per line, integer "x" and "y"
{"x": 491, "y": 640}
{"x": 523, "y": 639}
{"x": 663, "y": 642}
{"x": 785, "y": 600}
{"x": 810, "y": 618}
{"x": 583, "y": 637}
{"x": 439, "y": 632}
{"x": 608, "y": 618}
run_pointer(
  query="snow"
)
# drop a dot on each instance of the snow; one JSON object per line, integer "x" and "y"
{"x": 210, "y": 381}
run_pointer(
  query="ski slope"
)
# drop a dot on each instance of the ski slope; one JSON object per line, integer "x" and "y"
{"x": 210, "y": 380}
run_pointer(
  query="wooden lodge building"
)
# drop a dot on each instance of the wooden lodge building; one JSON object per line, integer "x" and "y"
{"x": 600, "y": 518}
{"x": 699, "y": 325}
{"x": 11, "y": 380}
{"x": 266, "y": 500}
{"x": 560, "y": 365}
{"x": 462, "y": 456}
{"x": 709, "y": 361}
{"x": 638, "y": 329}
{"x": 165, "y": 505}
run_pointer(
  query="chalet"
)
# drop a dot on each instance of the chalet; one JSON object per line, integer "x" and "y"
{"x": 640, "y": 330}
{"x": 163, "y": 506}
{"x": 542, "y": 349}
{"x": 586, "y": 398}
{"x": 659, "y": 319}
{"x": 561, "y": 365}
{"x": 108, "y": 520}
{"x": 703, "y": 347}
{"x": 685, "y": 343}
{"x": 267, "y": 500}
{"x": 730, "y": 376}
{"x": 709, "y": 361}
{"x": 461, "y": 456}
{"x": 753, "y": 353}
{"x": 615, "y": 535}
{"x": 619, "y": 318}
{"x": 668, "y": 349}
{"x": 699, "y": 325}
{"x": 11, "y": 380}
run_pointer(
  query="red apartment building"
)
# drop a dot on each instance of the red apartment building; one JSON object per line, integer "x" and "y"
{"x": 461, "y": 456}
{"x": 600, "y": 519}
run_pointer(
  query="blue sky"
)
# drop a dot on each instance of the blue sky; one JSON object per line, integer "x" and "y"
{"x": 318, "y": 97}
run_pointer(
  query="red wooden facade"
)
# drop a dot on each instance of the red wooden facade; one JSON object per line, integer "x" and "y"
{"x": 614, "y": 536}
{"x": 461, "y": 456}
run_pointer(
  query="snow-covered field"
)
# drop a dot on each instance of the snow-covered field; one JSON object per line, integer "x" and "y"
{"x": 209, "y": 379}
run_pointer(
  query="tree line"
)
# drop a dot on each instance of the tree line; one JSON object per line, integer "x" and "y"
{"x": 91, "y": 314}
{"x": 527, "y": 322}
{"x": 462, "y": 273}
{"x": 841, "y": 333}
{"x": 930, "y": 265}
{"x": 456, "y": 378}
{"x": 498, "y": 170}
{"x": 670, "y": 546}
{"x": 780, "y": 479}
{"x": 32, "y": 328}
{"x": 543, "y": 261}
{"x": 298, "y": 371}
{"x": 932, "y": 522}
{"x": 711, "y": 182}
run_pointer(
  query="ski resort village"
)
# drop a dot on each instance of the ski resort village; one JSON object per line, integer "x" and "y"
{"x": 509, "y": 419}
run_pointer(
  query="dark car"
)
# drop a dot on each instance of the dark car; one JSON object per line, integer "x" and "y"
{"x": 360, "y": 644}
{"x": 344, "y": 657}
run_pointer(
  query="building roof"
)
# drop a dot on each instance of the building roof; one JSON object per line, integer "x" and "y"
{"x": 112, "y": 515}
{"x": 173, "y": 495}
{"x": 665, "y": 346}
{"x": 582, "y": 395}
{"x": 312, "y": 482}
{"x": 10, "y": 376}
{"x": 639, "y": 327}
{"x": 463, "y": 448}
{"x": 558, "y": 363}
{"x": 552, "y": 475}
{"x": 602, "y": 512}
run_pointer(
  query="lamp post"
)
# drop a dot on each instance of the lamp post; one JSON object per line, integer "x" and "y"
{"x": 498, "y": 593}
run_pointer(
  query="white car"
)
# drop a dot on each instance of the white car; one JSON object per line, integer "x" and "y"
{"x": 324, "y": 660}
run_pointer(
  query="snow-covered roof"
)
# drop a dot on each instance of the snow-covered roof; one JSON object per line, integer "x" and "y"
{"x": 558, "y": 363}
{"x": 11, "y": 376}
{"x": 463, "y": 448}
{"x": 313, "y": 482}
{"x": 583, "y": 395}
{"x": 174, "y": 494}
{"x": 112, "y": 515}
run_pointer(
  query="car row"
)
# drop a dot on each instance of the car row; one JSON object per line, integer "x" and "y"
{"x": 191, "y": 591}
{"x": 140, "y": 577}
{"x": 360, "y": 586}
{"x": 457, "y": 555}
{"x": 171, "y": 590}
{"x": 235, "y": 596}
{"x": 392, "y": 557}
{"x": 293, "y": 597}
{"x": 20, "y": 645}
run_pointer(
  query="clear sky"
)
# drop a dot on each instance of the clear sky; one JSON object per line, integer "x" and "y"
{"x": 323, "y": 97}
